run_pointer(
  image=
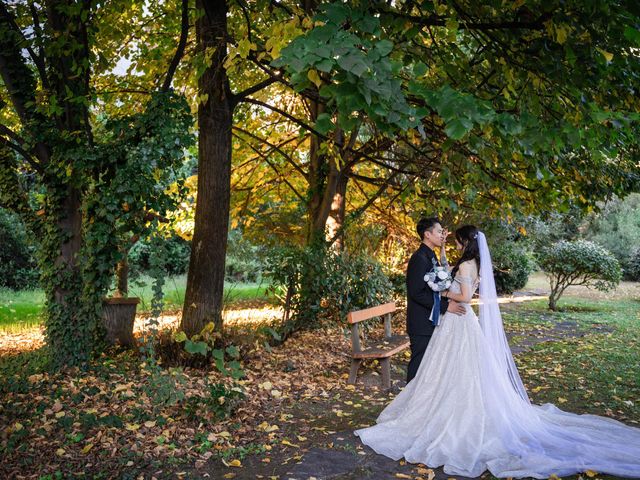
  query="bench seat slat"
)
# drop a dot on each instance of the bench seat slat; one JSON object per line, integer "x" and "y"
{"x": 387, "y": 348}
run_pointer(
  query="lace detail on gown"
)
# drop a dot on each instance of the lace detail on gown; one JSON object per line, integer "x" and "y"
{"x": 447, "y": 417}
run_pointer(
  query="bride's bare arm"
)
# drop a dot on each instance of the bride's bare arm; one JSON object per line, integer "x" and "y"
{"x": 465, "y": 295}
{"x": 466, "y": 276}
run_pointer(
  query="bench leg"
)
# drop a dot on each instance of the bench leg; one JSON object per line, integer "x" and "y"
{"x": 385, "y": 363}
{"x": 355, "y": 365}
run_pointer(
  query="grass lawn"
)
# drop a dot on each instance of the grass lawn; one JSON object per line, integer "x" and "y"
{"x": 22, "y": 310}
{"x": 596, "y": 369}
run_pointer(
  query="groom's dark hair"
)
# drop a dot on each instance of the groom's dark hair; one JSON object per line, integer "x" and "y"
{"x": 425, "y": 224}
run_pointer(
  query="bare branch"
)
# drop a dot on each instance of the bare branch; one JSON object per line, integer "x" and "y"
{"x": 11, "y": 134}
{"x": 280, "y": 175}
{"x": 277, "y": 148}
{"x": 360, "y": 210}
{"x": 238, "y": 97}
{"x": 37, "y": 60}
{"x": 175, "y": 61}
{"x": 243, "y": 7}
{"x": 17, "y": 148}
{"x": 295, "y": 120}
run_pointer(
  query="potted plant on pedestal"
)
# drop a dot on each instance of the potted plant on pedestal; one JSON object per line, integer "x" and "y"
{"x": 119, "y": 311}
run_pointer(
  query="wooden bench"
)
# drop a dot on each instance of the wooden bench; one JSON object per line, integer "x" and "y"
{"x": 383, "y": 350}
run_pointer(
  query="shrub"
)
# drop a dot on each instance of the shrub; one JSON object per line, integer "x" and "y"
{"x": 315, "y": 285}
{"x": 632, "y": 272}
{"x": 244, "y": 259}
{"x": 176, "y": 260}
{"x": 219, "y": 400}
{"x": 578, "y": 263}
{"x": 512, "y": 265}
{"x": 398, "y": 285}
{"x": 511, "y": 250}
{"x": 617, "y": 228}
{"x": 18, "y": 268}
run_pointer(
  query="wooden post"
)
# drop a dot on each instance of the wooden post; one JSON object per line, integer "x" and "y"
{"x": 355, "y": 365}
{"x": 387, "y": 325}
{"x": 355, "y": 338}
{"x": 385, "y": 363}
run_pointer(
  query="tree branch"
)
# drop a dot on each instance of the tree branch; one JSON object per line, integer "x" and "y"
{"x": 17, "y": 148}
{"x": 286, "y": 115}
{"x": 360, "y": 210}
{"x": 42, "y": 69}
{"x": 175, "y": 61}
{"x": 238, "y": 97}
{"x": 273, "y": 167}
{"x": 12, "y": 135}
{"x": 277, "y": 148}
{"x": 37, "y": 60}
{"x": 243, "y": 7}
{"x": 10, "y": 82}
{"x": 124, "y": 90}
{"x": 440, "y": 21}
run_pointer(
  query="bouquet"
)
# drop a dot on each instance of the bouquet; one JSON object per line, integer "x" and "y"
{"x": 438, "y": 278}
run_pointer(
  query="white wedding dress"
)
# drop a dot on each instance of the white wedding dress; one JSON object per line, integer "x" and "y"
{"x": 467, "y": 410}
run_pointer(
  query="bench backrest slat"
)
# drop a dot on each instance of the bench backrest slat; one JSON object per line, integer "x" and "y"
{"x": 368, "y": 313}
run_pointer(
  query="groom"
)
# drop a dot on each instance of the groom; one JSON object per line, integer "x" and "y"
{"x": 420, "y": 296}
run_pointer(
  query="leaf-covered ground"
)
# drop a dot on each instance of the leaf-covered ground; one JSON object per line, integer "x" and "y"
{"x": 297, "y": 417}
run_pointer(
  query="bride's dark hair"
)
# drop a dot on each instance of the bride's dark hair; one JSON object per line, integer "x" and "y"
{"x": 467, "y": 235}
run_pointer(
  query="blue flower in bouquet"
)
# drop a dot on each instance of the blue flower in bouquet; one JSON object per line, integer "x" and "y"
{"x": 438, "y": 278}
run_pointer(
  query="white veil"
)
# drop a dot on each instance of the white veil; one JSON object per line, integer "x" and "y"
{"x": 491, "y": 320}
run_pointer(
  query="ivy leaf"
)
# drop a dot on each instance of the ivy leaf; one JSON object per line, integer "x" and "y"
{"x": 196, "y": 347}
{"x": 607, "y": 56}
{"x": 419, "y": 69}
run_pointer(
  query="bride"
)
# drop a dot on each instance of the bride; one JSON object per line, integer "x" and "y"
{"x": 467, "y": 409}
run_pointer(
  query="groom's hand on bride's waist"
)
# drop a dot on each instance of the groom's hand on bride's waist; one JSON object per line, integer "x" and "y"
{"x": 456, "y": 308}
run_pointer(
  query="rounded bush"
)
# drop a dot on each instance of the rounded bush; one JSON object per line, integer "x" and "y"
{"x": 512, "y": 265}
{"x": 632, "y": 271}
{"x": 579, "y": 263}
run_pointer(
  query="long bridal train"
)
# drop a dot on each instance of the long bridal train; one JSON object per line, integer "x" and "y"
{"x": 467, "y": 409}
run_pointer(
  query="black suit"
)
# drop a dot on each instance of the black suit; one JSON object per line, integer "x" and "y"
{"x": 419, "y": 305}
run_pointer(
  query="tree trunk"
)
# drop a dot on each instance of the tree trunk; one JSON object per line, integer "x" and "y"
{"x": 205, "y": 281}
{"x": 318, "y": 176}
{"x": 335, "y": 222}
{"x": 70, "y": 335}
{"x": 73, "y": 325}
{"x": 122, "y": 278}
